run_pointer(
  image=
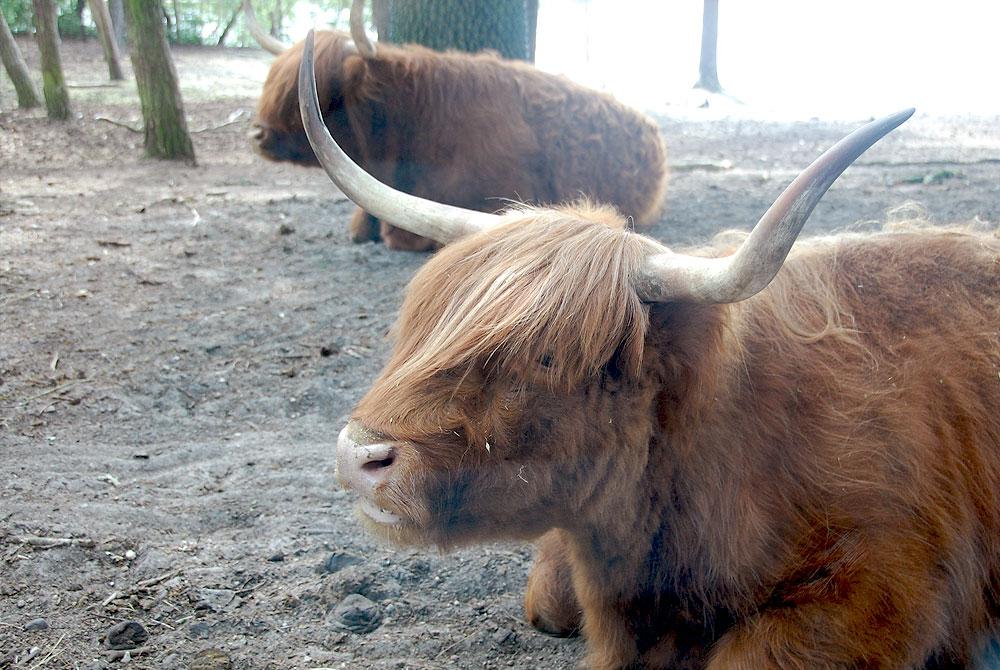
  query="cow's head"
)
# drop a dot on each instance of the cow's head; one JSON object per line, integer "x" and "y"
{"x": 277, "y": 132}
{"x": 518, "y": 397}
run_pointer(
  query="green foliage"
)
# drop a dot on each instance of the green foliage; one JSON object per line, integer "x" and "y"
{"x": 187, "y": 21}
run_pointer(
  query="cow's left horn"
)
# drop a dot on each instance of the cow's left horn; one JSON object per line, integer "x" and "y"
{"x": 263, "y": 39}
{"x": 669, "y": 276}
{"x": 441, "y": 223}
{"x": 358, "y": 34}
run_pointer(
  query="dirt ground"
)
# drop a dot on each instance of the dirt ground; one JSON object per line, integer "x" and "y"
{"x": 179, "y": 347}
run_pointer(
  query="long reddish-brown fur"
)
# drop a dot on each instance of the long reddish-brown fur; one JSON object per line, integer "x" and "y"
{"x": 806, "y": 479}
{"x": 472, "y": 130}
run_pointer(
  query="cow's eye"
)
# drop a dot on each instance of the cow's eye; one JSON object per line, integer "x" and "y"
{"x": 545, "y": 361}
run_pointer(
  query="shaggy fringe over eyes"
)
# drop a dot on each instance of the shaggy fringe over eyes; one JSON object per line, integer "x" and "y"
{"x": 548, "y": 293}
{"x": 279, "y": 101}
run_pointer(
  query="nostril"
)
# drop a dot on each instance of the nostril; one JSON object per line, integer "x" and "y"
{"x": 374, "y": 466}
{"x": 256, "y": 133}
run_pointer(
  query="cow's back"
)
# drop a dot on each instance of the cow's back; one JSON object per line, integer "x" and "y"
{"x": 872, "y": 373}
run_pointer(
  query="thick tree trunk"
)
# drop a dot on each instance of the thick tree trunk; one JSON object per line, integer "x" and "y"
{"x": 155, "y": 76}
{"x": 507, "y": 26}
{"x": 106, "y": 34}
{"x": 47, "y": 35}
{"x": 118, "y": 21}
{"x": 708, "y": 78}
{"x": 381, "y": 10}
{"x": 13, "y": 62}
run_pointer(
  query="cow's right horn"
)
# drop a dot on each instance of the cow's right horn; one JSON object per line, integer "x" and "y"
{"x": 439, "y": 222}
{"x": 668, "y": 276}
{"x": 267, "y": 42}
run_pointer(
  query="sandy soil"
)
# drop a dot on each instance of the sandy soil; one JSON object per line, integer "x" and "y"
{"x": 179, "y": 347}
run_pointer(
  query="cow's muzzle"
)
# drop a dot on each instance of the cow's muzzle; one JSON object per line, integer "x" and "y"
{"x": 366, "y": 461}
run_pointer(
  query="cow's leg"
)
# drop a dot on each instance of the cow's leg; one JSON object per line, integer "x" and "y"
{"x": 882, "y": 616}
{"x": 364, "y": 227}
{"x": 403, "y": 240}
{"x": 550, "y": 602}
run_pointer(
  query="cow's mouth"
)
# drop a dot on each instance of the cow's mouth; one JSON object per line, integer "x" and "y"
{"x": 378, "y": 514}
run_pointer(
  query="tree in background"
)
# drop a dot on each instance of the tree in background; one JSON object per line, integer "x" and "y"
{"x": 53, "y": 84}
{"x": 506, "y": 26}
{"x": 162, "y": 109}
{"x": 708, "y": 78}
{"x": 13, "y": 62}
{"x": 106, "y": 34}
{"x": 117, "y": 10}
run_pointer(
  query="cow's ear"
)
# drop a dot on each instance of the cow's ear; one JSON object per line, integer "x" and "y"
{"x": 355, "y": 76}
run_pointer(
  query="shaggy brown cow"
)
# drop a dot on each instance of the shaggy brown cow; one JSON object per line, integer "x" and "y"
{"x": 468, "y": 130}
{"x": 736, "y": 467}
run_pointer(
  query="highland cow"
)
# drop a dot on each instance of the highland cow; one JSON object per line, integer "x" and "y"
{"x": 472, "y": 130}
{"x": 757, "y": 458}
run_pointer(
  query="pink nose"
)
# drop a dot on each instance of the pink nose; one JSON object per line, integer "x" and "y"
{"x": 364, "y": 459}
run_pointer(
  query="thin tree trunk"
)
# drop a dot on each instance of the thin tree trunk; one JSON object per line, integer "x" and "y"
{"x": 118, "y": 21}
{"x": 162, "y": 109}
{"x": 53, "y": 85}
{"x": 78, "y": 10}
{"x": 229, "y": 25}
{"x": 13, "y": 62}
{"x": 177, "y": 23}
{"x": 276, "y": 20}
{"x": 106, "y": 34}
{"x": 708, "y": 78}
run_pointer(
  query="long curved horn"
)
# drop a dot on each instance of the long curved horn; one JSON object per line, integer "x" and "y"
{"x": 668, "y": 276}
{"x": 358, "y": 34}
{"x": 267, "y": 42}
{"x": 441, "y": 223}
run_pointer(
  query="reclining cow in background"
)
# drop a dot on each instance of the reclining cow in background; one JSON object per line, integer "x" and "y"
{"x": 741, "y": 461}
{"x": 472, "y": 130}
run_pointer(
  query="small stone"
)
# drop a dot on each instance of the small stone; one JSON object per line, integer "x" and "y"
{"x": 130, "y": 555}
{"x": 357, "y": 614}
{"x": 211, "y": 659}
{"x": 215, "y": 600}
{"x": 36, "y": 624}
{"x": 339, "y": 560}
{"x": 125, "y": 635}
{"x": 503, "y": 635}
{"x": 285, "y": 229}
{"x": 200, "y": 629}
{"x": 276, "y": 558}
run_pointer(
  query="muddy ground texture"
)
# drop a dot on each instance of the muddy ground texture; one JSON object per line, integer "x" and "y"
{"x": 179, "y": 347}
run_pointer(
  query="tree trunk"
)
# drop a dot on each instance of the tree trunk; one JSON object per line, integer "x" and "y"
{"x": 177, "y": 23}
{"x": 118, "y": 21}
{"x": 155, "y": 76}
{"x": 229, "y": 25}
{"x": 78, "y": 12}
{"x": 380, "y": 17}
{"x": 13, "y": 62}
{"x": 507, "y": 26}
{"x": 277, "y": 19}
{"x": 53, "y": 85}
{"x": 708, "y": 78}
{"x": 106, "y": 34}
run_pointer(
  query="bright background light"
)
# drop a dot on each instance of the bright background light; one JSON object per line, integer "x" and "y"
{"x": 791, "y": 58}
